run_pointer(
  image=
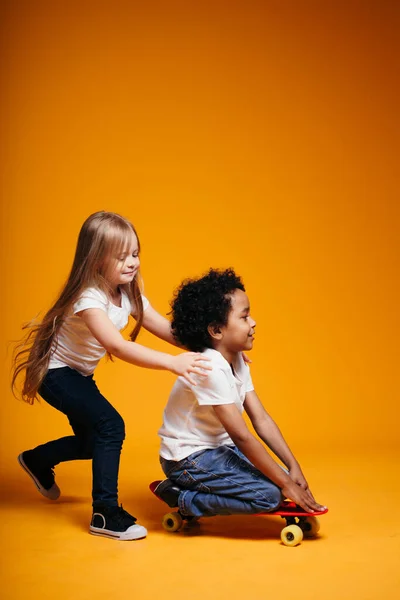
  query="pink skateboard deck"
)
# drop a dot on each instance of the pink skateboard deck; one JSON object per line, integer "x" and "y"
{"x": 299, "y": 523}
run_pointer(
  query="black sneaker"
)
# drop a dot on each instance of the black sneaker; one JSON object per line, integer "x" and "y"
{"x": 114, "y": 522}
{"x": 42, "y": 478}
{"x": 166, "y": 491}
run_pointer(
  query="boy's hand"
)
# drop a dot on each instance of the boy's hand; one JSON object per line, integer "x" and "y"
{"x": 301, "y": 497}
{"x": 296, "y": 474}
{"x": 190, "y": 362}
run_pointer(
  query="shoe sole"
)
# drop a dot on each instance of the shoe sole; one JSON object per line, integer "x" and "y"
{"x": 54, "y": 495}
{"x": 157, "y": 488}
{"x": 139, "y": 533}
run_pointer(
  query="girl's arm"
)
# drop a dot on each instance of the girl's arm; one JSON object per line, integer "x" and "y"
{"x": 252, "y": 448}
{"x": 158, "y": 325}
{"x": 112, "y": 341}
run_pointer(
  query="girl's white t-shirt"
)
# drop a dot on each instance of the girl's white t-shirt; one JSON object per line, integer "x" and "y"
{"x": 190, "y": 423}
{"x": 75, "y": 346}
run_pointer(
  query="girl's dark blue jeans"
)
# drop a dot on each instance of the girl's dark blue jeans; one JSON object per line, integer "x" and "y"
{"x": 98, "y": 429}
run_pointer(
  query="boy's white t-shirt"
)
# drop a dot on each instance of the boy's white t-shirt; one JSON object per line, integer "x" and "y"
{"x": 75, "y": 346}
{"x": 190, "y": 423}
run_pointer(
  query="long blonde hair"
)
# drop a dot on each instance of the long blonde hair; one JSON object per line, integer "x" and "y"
{"x": 103, "y": 235}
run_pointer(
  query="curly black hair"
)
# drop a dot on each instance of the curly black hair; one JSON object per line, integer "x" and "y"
{"x": 199, "y": 303}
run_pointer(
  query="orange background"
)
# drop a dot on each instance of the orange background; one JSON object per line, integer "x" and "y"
{"x": 262, "y": 135}
{"x": 259, "y": 135}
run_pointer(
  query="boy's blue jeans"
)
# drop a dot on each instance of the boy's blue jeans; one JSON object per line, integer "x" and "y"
{"x": 221, "y": 481}
{"x": 98, "y": 431}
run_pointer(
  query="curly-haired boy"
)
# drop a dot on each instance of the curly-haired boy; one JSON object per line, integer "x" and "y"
{"x": 214, "y": 464}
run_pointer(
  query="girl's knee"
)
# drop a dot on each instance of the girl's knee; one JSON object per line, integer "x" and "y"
{"x": 118, "y": 427}
{"x": 113, "y": 426}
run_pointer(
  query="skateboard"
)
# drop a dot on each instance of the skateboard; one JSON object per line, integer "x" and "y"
{"x": 299, "y": 523}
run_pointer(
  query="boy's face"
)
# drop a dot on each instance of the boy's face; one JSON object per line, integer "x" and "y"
{"x": 238, "y": 333}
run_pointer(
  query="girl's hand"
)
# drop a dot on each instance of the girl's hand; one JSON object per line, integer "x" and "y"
{"x": 301, "y": 497}
{"x": 246, "y": 358}
{"x": 190, "y": 362}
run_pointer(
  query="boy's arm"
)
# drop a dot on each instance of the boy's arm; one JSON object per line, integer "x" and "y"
{"x": 233, "y": 422}
{"x": 269, "y": 432}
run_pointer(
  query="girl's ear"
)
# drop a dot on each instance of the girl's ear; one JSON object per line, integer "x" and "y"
{"x": 215, "y": 331}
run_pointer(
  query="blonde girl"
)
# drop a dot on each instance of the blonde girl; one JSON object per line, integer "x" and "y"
{"x": 58, "y": 358}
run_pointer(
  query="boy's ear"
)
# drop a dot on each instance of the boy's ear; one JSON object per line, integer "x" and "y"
{"x": 215, "y": 331}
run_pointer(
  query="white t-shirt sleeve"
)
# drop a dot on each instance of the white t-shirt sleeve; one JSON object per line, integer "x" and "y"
{"x": 93, "y": 298}
{"x": 146, "y": 303}
{"x": 214, "y": 389}
{"x": 90, "y": 298}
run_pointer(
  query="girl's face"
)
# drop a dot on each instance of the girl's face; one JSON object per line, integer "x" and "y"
{"x": 122, "y": 268}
